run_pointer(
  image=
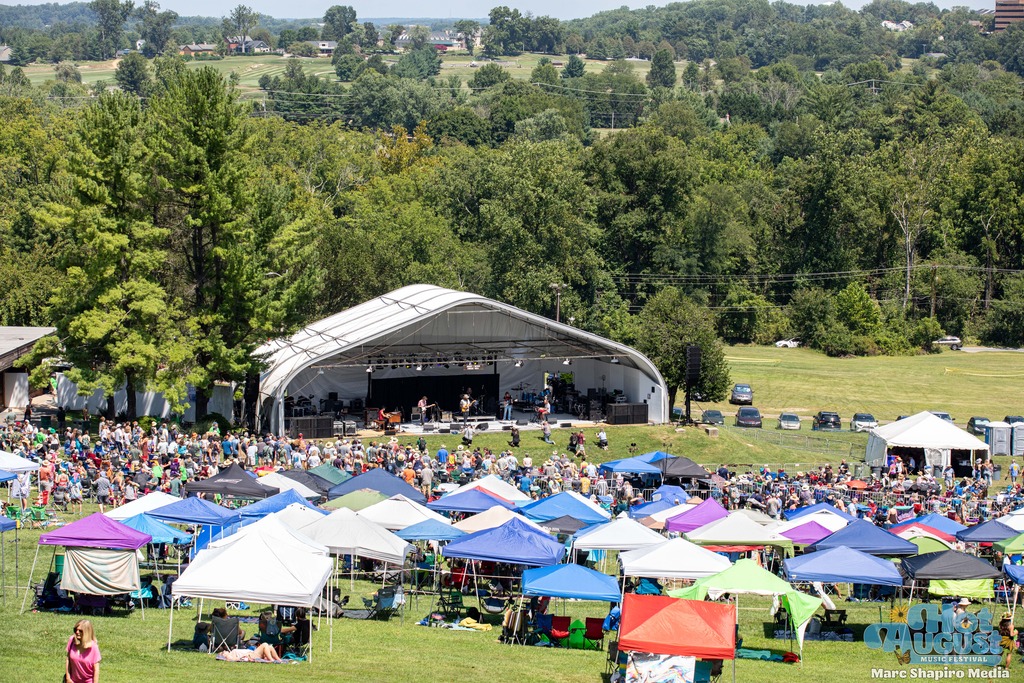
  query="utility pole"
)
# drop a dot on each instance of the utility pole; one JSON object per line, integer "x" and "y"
{"x": 557, "y": 286}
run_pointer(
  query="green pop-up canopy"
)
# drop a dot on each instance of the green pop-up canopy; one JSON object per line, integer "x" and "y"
{"x": 356, "y": 500}
{"x": 747, "y": 577}
{"x": 1011, "y": 546}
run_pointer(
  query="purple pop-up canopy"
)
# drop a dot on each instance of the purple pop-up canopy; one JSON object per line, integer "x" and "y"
{"x": 808, "y": 533}
{"x": 705, "y": 513}
{"x": 96, "y": 531}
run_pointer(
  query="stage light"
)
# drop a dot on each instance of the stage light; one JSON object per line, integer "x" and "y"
{"x": 519, "y": 363}
{"x": 320, "y": 371}
{"x": 566, "y": 362}
{"x": 615, "y": 361}
{"x": 419, "y": 368}
{"x": 369, "y": 368}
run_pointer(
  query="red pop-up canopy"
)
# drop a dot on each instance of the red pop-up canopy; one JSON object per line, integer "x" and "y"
{"x": 670, "y": 626}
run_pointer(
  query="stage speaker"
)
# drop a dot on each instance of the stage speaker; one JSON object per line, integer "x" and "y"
{"x": 332, "y": 396}
{"x": 390, "y": 431}
{"x": 522, "y": 423}
{"x": 428, "y": 428}
{"x": 481, "y": 427}
{"x": 443, "y": 427}
{"x": 565, "y": 425}
{"x": 506, "y": 428}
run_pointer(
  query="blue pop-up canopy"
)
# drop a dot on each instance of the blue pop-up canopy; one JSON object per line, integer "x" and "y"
{"x": 470, "y": 500}
{"x": 430, "y": 530}
{"x": 842, "y": 565}
{"x": 161, "y": 533}
{"x": 629, "y": 465}
{"x": 648, "y": 509}
{"x": 276, "y": 503}
{"x": 7, "y": 524}
{"x": 991, "y": 531}
{"x": 1015, "y": 572}
{"x": 377, "y": 480}
{"x": 868, "y": 538}
{"x": 514, "y": 542}
{"x": 673, "y": 494}
{"x": 818, "y": 507}
{"x": 7, "y": 476}
{"x": 654, "y": 456}
{"x": 195, "y": 511}
{"x": 561, "y": 505}
{"x": 570, "y": 581}
{"x": 935, "y": 521}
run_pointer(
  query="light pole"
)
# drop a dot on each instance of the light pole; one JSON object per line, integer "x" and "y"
{"x": 557, "y": 286}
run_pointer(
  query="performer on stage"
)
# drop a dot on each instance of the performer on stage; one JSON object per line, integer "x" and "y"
{"x": 464, "y": 405}
{"x": 423, "y": 405}
{"x": 507, "y": 407}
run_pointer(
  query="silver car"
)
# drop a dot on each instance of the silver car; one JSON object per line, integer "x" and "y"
{"x": 789, "y": 421}
{"x": 863, "y": 422}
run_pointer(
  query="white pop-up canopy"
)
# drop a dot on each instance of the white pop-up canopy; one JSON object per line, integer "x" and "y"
{"x": 493, "y": 484}
{"x": 283, "y": 483}
{"x": 621, "y": 533}
{"x": 346, "y": 533}
{"x": 398, "y": 512}
{"x": 935, "y": 437}
{"x": 15, "y": 463}
{"x": 676, "y": 558}
{"x": 298, "y": 516}
{"x": 492, "y": 519}
{"x": 271, "y": 527}
{"x": 150, "y": 501}
{"x": 282, "y": 570}
{"x": 737, "y": 531}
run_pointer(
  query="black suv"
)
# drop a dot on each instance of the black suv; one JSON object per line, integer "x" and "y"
{"x": 826, "y": 421}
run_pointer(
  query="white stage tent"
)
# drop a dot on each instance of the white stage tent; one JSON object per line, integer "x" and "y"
{"x": 674, "y": 559}
{"x": 398, "y": 512}
{"x": 431, "y": 339}
{"x": 936, "y": 440}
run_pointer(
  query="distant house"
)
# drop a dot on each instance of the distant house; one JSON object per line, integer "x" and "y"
{"x": 900, "y": 26}
{"x": 197, "y": 49}
{"x": 6, "y": 53}
{"x": 325, "y": 47}
{"x": 441, "y": 40}
{"x": 238, "y": 44}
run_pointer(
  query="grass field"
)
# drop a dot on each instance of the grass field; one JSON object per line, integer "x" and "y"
{"x": 134, "y": 647}
{"x": 251, "y": 67}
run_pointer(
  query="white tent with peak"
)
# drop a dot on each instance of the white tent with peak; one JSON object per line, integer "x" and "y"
{"x": 493, "y": 484}
{"x": 346, "y": 533}
{"x": 620, "y": 534}
{"x": 492, "y": 519}
{"x": 398, "y": 512}
{"x": 673, "y": 559}
{"x": 935, "y": 439}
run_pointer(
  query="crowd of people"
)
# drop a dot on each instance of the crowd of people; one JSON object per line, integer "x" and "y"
{"x": 122, "y": 461}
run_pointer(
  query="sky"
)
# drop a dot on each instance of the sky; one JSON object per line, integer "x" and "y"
{"x": 439, "y": 9}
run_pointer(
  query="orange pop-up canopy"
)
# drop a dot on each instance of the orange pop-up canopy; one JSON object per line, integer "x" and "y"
{"x": 670, "y": 626}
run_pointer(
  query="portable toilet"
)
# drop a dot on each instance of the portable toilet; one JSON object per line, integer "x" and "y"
{"x": 997, "y": 436}
{"x": 1017, "y": 438}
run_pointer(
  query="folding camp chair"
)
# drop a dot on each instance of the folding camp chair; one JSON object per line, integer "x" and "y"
{"x": 450, "y": 604}
{"x": 560, "y": 628}
{"x": 593, "y": 635}
{"x": 225, "y": 633}
{"x": 515, "y": 622}
{"x": 385, "y": 602}
{"x": 708, "y": 671}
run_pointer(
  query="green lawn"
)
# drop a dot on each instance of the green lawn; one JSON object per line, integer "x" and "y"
{"x": 134, "y": 648}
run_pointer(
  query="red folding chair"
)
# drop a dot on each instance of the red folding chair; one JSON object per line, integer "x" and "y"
{"x": 560, "y": 628}
{"x": 594, "y": 635}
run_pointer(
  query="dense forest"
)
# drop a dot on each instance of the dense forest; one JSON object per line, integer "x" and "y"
{"x": 168, "y": 226}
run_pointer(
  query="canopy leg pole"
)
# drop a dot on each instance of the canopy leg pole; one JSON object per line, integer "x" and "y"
{"x": 170, "y": 627}
{"x": 330, "y": 614}
{"x": 28, "y": 589}
{"x": 311, "y": 639}
{"x": 352, "y": 573}
{"x": 1013, "y": 612}
{"x": 3, "y": 570}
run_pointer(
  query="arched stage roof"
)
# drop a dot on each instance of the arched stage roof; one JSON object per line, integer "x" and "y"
{"x": 422, "y": 331}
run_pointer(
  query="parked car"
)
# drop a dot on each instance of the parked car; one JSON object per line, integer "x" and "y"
{"x": 826, "y": 420}
{"x": 789, "y": 421}
{"x": 788, "y": 343}
{"x": 1013, "y": 419}
{"x": 748, "y": 416}
{"x": 952, "y": 342}
{"x": 742, "y": 393}
{"x": 863, "y": 422}
{"x": 943, "y": 414}
{"x": 712, "y": 417}
{"x": 976, "y": 425}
